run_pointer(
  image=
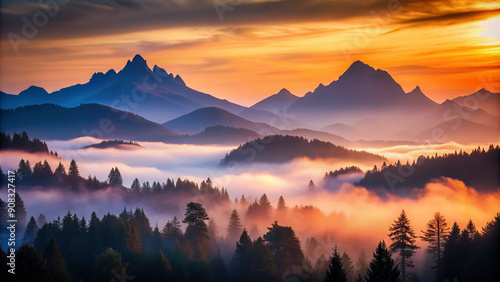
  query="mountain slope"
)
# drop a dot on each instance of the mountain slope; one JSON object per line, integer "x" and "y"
{"x": 360, "y": 92}
{"x": 216, "y": 135}
{"x": 281, "y": 149}
{"x": 154, "y": 94}
{"x": 198, "y": 120}
{"x": 276, "y": 102}
{"x": 484, "y": 99}
{"x": 279, "y": 119}
{"x": 460, "y": 130}
{"x": 50, "y": 121}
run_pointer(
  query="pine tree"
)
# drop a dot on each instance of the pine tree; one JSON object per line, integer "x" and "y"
{"x": 452, "y": 255}
{"x": 55, "y": 263}
{"x": 362, "y": 264}
{"x": 136, "y": 186}
{"x": 197, "y": 229}
{"x": 264, "y": 207}
{"x": 243, "y": 257}
{"x": 382, "y": 267}
{"x": 243, "y": 200}
{"x": 311, "y": 187}
{"x": 218, "y": 267}
{"x": 24, "y": 172}
{"x": 335, "y": 272}
{"x": 403, "y": 242}
{"x": 115, "y": 177}
{"x": 73, "y": 170}
{"x": 109, "y": 265}
{"x": 60, "y": 172}
{"x": 436, "y": 234}
{"x": 161, "y": 268}
{"x": 471, "y": 230}
{"x": 73, "y": 174}
{"x": 30, "y": 232}
{"x": 285, "y": 246}
{"x": 234, "y": 227}
{"x": 172, "y": 228}
{"x": 347, "y": 266}
{"x": 20, "y": 211}
{"x": 30, "y": 265}
{"x": 281, "y": 207}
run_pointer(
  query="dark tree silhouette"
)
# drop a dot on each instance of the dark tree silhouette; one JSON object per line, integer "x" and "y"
{"x": 452, "y": 255}
{"x": 403, "y": 243}
{"x": 24, "y": 172}
{"x": 311, "y": 187}
{"x": 197, "y": 229}
{"x": 136, "y": 186}
{"x": 73, "y": 170}
{"x": 60, "y": 172}
{"x": 20, "y": 211}
{"x": 436, "y": 234}
{"x": 234, "y": 227}
{"x": 218, "y": 267}
{"x": 108, "y": 265}
{"x": 30, "y": 232}
{"x": 285, "y": 246}
{"x": 55, "y": 263}
{"x": 347, "y": 266}
{"x": 382, "y": 267}
{"x": 30, "y": 265}
{"x": 161, "y": 270}
{"x": 115, "y": 177}
{"x": 362, "y": 264}
{"x": 252, "y": 261}
{"x": 335, "y": 271}
{"x": 243, "y": 257}
{"x": 281, "y": 207}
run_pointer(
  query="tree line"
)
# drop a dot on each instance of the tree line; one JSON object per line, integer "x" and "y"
{"x": 478, "y": 169}
{"x": 100, "y": 249}
{"x": 22, "y": 142}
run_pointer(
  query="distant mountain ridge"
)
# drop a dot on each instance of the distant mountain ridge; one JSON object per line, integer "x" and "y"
{"x": 49, "y": 121}
{"x": 154, "y": 94}
{"x": 276, "y": 102}
{"x": 200, "y": 119}
{"x": 363, "y": 103}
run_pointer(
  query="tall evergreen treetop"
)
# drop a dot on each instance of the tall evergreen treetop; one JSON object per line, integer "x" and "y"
{"x": 382, "y": 267}
{"x": 403, "y": 242}
{"x": 335, "y": 272}
{"x": 436, "y": 234}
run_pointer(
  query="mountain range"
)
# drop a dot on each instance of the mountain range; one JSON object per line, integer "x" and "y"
{"x": 363, "y": 103}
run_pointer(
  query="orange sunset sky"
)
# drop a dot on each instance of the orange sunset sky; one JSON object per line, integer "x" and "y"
{"x": 245, "y": 50}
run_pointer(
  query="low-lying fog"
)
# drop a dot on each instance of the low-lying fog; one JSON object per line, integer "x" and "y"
{"x": 355, "y": 218}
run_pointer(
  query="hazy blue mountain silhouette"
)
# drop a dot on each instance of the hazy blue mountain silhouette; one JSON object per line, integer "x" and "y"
{"x": 154, "y": 94}
{"x": 363, "y": 91}
{"x": 276, "y": 102}
{"x": 343, "y": 130}
{"x": 216, "y": 135}
{"x": 49, "y": 121}
{"x": 198, "y": 120}
{"x": 278, "y": 118}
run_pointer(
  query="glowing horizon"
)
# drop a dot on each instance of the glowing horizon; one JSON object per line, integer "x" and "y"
{"x": 248, "y": 56}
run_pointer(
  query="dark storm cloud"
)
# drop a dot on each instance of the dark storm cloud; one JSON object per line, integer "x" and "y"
{"x": 454, "y": 18}
{"x": 89, "y": 18}
{"x": 80, "y": 18}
